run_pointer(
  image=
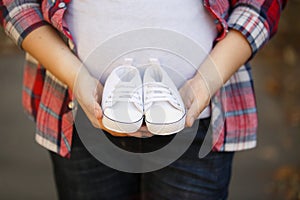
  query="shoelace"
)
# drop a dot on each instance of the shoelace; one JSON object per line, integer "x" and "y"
{"x": 158, "y": 92}
{"x": 125, "y": 92}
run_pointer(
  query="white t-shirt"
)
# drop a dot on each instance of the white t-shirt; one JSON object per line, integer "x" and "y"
{"x": 93, "y": 22}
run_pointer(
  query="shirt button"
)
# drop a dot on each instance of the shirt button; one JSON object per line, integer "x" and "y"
{"x": 61, "y": 5}
{"x": 71, "y": 105}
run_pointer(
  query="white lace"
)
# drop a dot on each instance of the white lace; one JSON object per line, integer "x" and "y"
{"x": 159, "y": 92}
{"x": 125, "y": 92}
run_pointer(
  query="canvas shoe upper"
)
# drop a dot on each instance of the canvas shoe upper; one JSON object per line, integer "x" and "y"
{"x": 122, "y": 101}
{"x": 163, "y": 107}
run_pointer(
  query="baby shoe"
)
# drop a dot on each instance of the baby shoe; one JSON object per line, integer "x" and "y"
{"x": 122, "y": 101}
{"x": 163, "y": 107}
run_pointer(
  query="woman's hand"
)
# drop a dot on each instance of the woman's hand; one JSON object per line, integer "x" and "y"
{"x": 224, "y": 60}
{"x": 88, "y": 92}
{"x": 195, "y": 96}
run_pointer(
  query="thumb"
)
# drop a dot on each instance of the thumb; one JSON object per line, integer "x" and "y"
{"x": 97, "y": 110}
{"x": 193, "y": 113}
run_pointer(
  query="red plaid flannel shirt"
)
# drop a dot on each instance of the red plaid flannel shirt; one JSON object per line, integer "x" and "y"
{"x": 49, "y": 102}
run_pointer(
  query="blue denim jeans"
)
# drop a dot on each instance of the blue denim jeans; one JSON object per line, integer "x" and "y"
{"x": 84, "y": 177}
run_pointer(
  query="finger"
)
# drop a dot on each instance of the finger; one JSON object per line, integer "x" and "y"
{"x": 140, "y": 134}
{"x": 95, "y": 123}
{"x": 143, "y": 132}
{"x": 185, "y": 96}
{"x": 96, "y": 99}
{"x": 97, "y": 110}
{"x": 91, "y": 114}
{"x": 188, "y": 104}
{"x": 98, "y": 92}
{"x": 193, "y": 113}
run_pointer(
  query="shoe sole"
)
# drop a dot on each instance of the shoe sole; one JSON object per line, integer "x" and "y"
{"x": 166, "y": 128}
{"x": 121, "y": 127}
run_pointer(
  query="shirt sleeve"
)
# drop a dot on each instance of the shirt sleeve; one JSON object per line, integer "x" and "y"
{"x": 256, "y": 20}
{"x": 20, "y": 17}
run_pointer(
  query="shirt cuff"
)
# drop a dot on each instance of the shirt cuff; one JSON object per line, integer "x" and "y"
{"x": 251, "y": 25}
{"x": 22, "y": 20}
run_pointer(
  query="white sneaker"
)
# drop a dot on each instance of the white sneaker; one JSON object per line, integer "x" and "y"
{"x": 122, "y": 101}
{"x": 163, "y": 107}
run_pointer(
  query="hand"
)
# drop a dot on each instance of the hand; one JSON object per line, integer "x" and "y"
{"x": 88, "y": 92}
{"x": 141, "y": 133}
{"x": 195, "y": 96}
{"x": 227, "y": 56}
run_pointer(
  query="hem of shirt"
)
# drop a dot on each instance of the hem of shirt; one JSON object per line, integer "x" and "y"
{"x": 241, "y": 146}
{"x": 46, "y": 143}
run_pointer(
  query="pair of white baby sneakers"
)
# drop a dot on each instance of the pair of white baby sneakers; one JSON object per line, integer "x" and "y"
{"x": 129, "y": 100}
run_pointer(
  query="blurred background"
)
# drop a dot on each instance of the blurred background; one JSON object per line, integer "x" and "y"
{"x": 271, "y": 171}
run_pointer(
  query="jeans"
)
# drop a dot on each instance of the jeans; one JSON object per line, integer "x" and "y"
{"x": 84, "y": 177}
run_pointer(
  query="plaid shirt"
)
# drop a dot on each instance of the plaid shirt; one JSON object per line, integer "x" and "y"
{"x": 49, "y": 102}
